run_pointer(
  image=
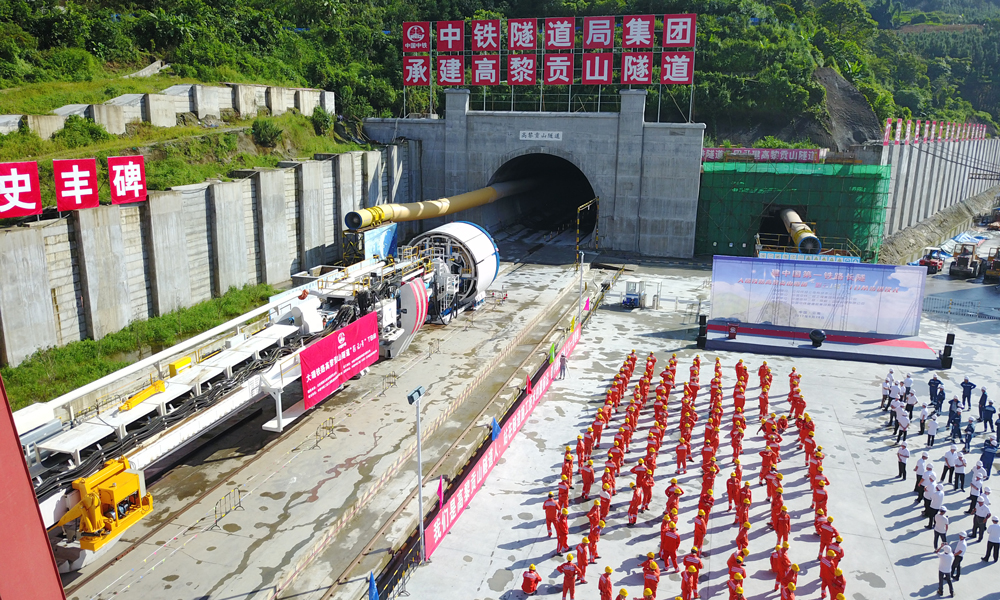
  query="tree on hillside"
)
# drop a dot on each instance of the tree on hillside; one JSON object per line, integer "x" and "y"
{"x": 886, "y": 13}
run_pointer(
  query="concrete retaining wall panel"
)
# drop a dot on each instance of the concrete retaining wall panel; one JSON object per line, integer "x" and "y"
{"x": 44, "y": 126}
{"x": 278, "y": 101}
{"x": 64, "y": 280}
{"x": 328, "y": 101}
{"x": 103, "y": 272}
{"x": 275, "y": 258}
{"x": 307, "y": 100}
{"x": 229, "y": 240}
{"x": 111, "y": 117}
{"x": 343, "y": 166}
{"x": 292, "y": 220}
{"x": 26, "y": 312}
{"x": 251, "y": 225}
{"x": 312, "y": 240}
{"x": 197, "y": 227}
{"x": 372, "y": 180}
{"x": 160, "y": 110}
{"x": 668, "y": 207}
{"x": 330, "y": 214}
{"x": 245, "y": 100}
{"x": 170, "y": 277}
{"x": 137, "y": 259}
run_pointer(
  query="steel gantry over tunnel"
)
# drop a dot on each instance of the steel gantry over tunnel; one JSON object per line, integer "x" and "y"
{"x": 646, "y": 174}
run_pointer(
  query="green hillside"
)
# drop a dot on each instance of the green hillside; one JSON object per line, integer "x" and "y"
{"x": 755, "y": 59}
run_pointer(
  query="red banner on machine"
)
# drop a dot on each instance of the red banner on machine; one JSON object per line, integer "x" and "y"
{"x": 331, "y": 361}
{"x": 28, "y": 570}
{"x": 450, "y": 512}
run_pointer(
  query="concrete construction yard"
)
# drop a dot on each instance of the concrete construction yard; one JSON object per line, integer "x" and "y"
{"x": 297, "y": 490}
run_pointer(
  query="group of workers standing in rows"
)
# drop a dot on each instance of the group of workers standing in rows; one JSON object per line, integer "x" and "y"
{"x": 899, "y": 400}
{"x": 739, "y": 492}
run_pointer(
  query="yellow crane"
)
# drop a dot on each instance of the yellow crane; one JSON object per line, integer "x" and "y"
{"x": 111, "y": 501}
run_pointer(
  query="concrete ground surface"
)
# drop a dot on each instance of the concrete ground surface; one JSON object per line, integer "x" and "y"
{"x": 888, "y": 551}
{"x": 296, "y": 486}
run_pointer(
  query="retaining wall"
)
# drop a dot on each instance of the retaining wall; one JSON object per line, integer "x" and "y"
{"x": 92, "y": 272}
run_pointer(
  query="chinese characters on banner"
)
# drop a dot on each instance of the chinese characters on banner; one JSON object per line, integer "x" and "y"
{"x": 465, "y": 489}
{"x": 550, "y": 46}
{"x": 128, "y": 179}
{"x": 20, "y": 195}
{"x": 76, "y": 183}
{"x": 329, "y": 362}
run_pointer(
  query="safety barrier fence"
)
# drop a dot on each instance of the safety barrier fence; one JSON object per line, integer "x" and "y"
{"x": 958, "y": 308}
{"x": 233, "y": 500}
{"x": 324, "y": 541}
{"x": 391, "y": 581}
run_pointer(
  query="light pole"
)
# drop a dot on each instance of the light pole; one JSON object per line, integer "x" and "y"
{"x": 414, "y": 399}
{"x": 579, "y": 303}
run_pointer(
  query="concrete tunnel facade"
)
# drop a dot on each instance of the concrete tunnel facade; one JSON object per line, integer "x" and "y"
{"x": 646, "y": 175}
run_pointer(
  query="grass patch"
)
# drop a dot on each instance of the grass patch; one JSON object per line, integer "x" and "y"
{"x": 51, "y": 373}
{"x": 43, "y": 98}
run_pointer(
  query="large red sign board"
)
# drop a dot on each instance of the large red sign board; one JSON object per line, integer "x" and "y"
{"x": 331, "y": 361}
{"x": 20, "y": 195}
{"x": 450, "y": 512}
{"x": 128, "y": 179}
{"x": 76, "y": 183}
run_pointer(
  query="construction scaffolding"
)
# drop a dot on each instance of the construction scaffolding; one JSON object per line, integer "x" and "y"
{"x": 740, "y": 201}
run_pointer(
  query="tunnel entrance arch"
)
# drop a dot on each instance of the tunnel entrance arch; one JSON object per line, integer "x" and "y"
{"x": 552, "y": 203}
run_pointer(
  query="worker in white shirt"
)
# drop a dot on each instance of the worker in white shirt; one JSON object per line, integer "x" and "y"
{"x": 932, "y": 429}
{"x": 911, "y": 401}
{"x": 902, "y": 422}
{"x": 907, "y": 383}
{"x": 902, "y": 455}
{"x": 885, "y": 396}
{"x": 927, "y": 485}
{"x": 975, "y": 488}
{"x": 900, "y": 412}
{"x": 959, "y": 552}
{"x": 937, "y": 503}
{"x": 961, "y": 465}
{"x": 949, "y": 464}
{"x": 940, "y": 527}
{"x": 993, "y": 540}
{"x": 925, "y": 412}
{"x": 980, "y": 470}
{"x": 919, "y": 471}
{"x": 894, "y": 403}
{"x": 945, "y": 561}
{"x": 979, "y": 517}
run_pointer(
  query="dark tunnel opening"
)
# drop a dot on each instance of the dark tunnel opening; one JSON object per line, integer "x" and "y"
{"x": 553, "y": 203}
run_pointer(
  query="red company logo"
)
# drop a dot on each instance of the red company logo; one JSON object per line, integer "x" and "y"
{"x": 341, "y": 338}
{"x": 417, "y": 36}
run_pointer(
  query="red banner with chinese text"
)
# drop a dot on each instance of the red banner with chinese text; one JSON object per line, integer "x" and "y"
{"x": 449, "y": 513}
{"x": 329, "y": 362}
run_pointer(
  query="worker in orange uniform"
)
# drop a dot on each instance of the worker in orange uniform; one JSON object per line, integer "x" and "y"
{"x": 683, "y": 449}
{"x": 529, "y": 585}
{"x": 594, "y": 537}
{"x": 735, "y": 587}
{"x": 551, "y": 512}
{"x": 594, "y": 514}
{"x": 651, "y": 573}
{"x": 762, "y": 372}
{"x": 788, "y": 592}
{"x": 598, "y": 427}
{"x": 838, "y": 585}
{"x": 581, "y": 451}
{"x": 563, "y": 492}
{"x": 820, "y": 496}
{"x": 783, "y": 525}
{"x": 767, "y": 461}
{"x": 605, "y": 501}
{"x": 826, "y": 574}
{"x": 743, "y": 537}
{"x": 608, "y": 479}
{"x": 562, "y": 532}
{"x": 732, "y": 490}
{"x": 604, "y": 584}
{"x": 762, "y": 400}
{"x": 570, "y": 573}
{"x": 617, "y": 456}
{"x": 588, "y": 442}
{"x": 791, "y": 576}
{"x": 587, "y": 475}
{"x": 567, "y": 467}
{"x": 777, "y": 568}
{"x": 582, "y": 559}
{"x": 693, "y": 566}
{"x": 634, "y": 504}
{"x": 670, "y": 540}
{"x": 827, "y": 533}
{"x": 700, "y": 529}
{"x": 622, "y": 594}
{"x": 689, "y": 584}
